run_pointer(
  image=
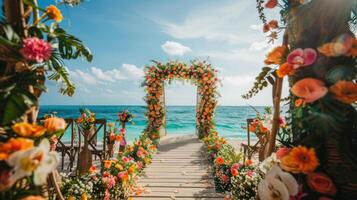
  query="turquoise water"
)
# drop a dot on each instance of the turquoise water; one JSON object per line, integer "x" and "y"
{"x": 180, "y": 119}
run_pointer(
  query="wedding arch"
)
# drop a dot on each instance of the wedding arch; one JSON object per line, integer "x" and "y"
{"x": 200, "y": 73}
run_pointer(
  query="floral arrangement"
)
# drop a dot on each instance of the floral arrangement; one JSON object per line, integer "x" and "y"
{"x": 26, "y": 159}
{"x": 321, "y": 125}
{"x": 91, "y": 186}
{"x": 200, "y": 73}
{"x": 293, "y": 174}
{"x": 86, "y": 120}
{"x": 244, "y": 181}
{"x": 115, "y": 134}
{"x": 125, "y": 116}
{"x": 142, "y": 151}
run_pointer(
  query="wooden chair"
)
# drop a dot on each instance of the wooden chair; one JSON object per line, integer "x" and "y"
{"x": 66, "y": 149}
{"x": 97, "y": 150}
{"x": 259, "y": 147}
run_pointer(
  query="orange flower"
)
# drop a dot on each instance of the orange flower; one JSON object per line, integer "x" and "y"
{"x": 79, "y": 120}
{"x": 32, "y": 197}
{"x": 263, "y": 129}
{"x": 219, "y": 160}
{"x": 342, "y": 45}
{"x": 28, "y": 130}
{"x": 234, "y": 172}
{"x": 13, "y": 145}
{"x": 300, "y": 159}
{"x": 107, "y": 164}
{"x": 249, "y": 162}
{"x": 345, "y": 91}
{"x": 54, "y": 123}
{"x": 275, "y": 56}
{"x": 271, "y": 4}
{"x": 92, "y": 169}
{"x": 285, "y": 69}
{"x": 299, "y": 102}
{"x": 309, "y": 89}
{"x": 131, "y": 169}
{"x": 266, "y": 28}
{"x": 54, "y": 13}
{"x": 273, "y": 24}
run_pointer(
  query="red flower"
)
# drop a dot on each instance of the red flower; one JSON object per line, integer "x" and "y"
{"x": 219, "y": 161}
{"x": 321, "y": 183}
{"x": 234, "y": 172}
{"x": 271, "y": 3}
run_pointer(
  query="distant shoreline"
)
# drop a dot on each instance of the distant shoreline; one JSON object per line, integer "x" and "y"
{"x": 146, "y": 105}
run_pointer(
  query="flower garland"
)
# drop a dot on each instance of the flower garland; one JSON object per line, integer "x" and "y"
{"x": 200, "y": 73}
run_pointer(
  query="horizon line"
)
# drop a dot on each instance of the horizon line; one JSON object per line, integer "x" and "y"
{"x": 138, "y": 105}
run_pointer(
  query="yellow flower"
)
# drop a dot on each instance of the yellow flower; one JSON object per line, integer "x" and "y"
{"x": 25, "y": 129}
{"x": 54, "y": 13}
{"x": 118, "y": 167}
{"x": 84, "y": 196}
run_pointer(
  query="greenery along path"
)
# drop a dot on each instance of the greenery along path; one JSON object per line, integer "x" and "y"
{"x": 179, "y": 171}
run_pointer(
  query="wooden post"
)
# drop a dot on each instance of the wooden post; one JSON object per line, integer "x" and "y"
{"x": 198, "y": 101}
{"x": 276, "y": 116}
{"x": 163, "y": 130}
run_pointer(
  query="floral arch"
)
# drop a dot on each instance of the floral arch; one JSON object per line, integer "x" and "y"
{"x": 202, "y": 74}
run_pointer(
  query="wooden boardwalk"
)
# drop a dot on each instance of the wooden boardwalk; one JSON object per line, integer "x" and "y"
{"x": 179, "y": 171}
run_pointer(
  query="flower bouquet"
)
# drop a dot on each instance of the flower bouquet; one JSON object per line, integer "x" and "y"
{"x": 115, "y": 136}
{"x": 86, "y": 122}
{"x": 125, "y": 117}
{"x": 244, "y": 182}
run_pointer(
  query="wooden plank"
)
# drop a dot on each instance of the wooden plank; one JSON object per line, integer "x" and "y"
{"x": 179, "y": 171}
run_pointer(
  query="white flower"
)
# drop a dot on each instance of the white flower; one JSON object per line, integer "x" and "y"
{"x": 288, "y": 180}
{"x": 272, "y": 189}
{"x": 37, "y": 160}
{"x": 277, "y": 185}
{"x": 267, "y": 164}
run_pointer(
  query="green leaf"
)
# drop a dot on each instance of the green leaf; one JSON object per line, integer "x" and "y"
{"x": 14, "y": 109}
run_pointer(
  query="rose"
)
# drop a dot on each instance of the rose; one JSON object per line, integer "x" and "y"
{"x": 321, "y": 183}
{"x": 282, "y": 152}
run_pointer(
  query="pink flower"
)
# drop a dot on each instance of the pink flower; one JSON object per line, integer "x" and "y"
{"x": 282, "y": 152}
{"x": 282, "y": 121}
{"x": 235, "y": 166}
{"x": 107, "y": 195}
{"x": 309, "y": 89}
{"x": 35, "y": 49}
{"x": 139, "y": 164}
{"x": 122, "y": 130}
{"x": 302, "y": 57}
{"x": 125, "y": 159}
{"x": 250, "y": 173}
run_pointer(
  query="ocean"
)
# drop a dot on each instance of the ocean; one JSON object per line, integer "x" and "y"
{"x": 229, "y": 120}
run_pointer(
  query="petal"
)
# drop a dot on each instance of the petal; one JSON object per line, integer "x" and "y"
{"x": 290, "y": 183}
{"x": 310, "y": 56}
{"x": 293, "y": 54}
{"x": 319, "y": 93}
{"x": 45, "y": 145}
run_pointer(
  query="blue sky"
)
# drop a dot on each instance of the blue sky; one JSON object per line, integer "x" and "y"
{"x": 125, "y": 35}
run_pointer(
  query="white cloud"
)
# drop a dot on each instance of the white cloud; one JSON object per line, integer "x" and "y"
{"x": 103, "y": 76}
{"x": 238, "y": 80}
{"x": 213, "y": 22}
{"x": 99, "y": 77}
{"x": 132, "y": 71}
{"x": 175, "y": 48}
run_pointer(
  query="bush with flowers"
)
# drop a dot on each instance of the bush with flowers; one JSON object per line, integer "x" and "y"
{"x": 199, "y": 73}
{"x": 244, "y": 181}
{"x": 141, "y": 151}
